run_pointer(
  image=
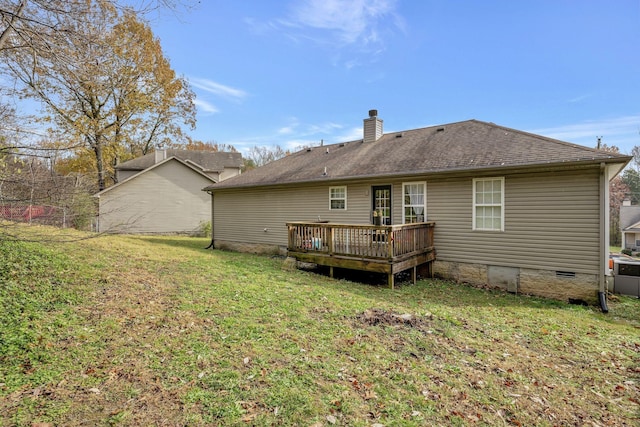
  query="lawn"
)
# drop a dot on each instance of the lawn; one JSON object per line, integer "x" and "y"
{"x": 129, "y": 331}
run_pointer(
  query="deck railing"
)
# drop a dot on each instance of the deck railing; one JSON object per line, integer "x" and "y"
{"x": 363, "y": 241}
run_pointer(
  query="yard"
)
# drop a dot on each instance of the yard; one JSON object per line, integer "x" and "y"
{"x": 125, "y": 330}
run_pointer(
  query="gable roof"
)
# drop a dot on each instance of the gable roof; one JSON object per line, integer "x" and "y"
{"x": 634, "y": 227}
{"x": 207, "y": 161}
{"x": 154, "y": 166}
{"x": 629, "y": 217}
{"x": 462, "y": 146}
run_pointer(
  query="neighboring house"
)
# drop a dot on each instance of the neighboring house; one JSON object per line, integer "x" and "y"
{"x": 162, "y": 192}
{"x": 630, "y": 225}
{"x": 511, "y": 209}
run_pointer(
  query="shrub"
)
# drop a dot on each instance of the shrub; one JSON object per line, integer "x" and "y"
{"x": 204, "y": 230}
{"x": 627, "y": 252}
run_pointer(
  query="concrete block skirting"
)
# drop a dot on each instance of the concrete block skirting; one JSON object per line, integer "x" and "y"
{"x": 543, "y": 283}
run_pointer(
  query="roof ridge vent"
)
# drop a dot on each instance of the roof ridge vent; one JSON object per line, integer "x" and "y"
{"x": 440, "y": 129}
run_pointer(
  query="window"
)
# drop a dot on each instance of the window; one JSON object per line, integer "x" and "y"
{"x": 414, "y": 202}
{"x": 488, "y": 204}
{"x": 338, "y": 198}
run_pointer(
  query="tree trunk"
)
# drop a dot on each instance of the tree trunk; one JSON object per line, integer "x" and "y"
{"x": 97, "y": 148}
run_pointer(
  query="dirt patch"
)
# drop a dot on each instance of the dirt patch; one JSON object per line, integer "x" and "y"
{"x": 377, "y": 316}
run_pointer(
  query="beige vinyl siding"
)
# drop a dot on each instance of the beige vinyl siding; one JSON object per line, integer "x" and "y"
{"x": 228, "y": 173}
{"x": 125, "y": 174}
{"x": 165, "y": 199}
{"x": 551, "y": 222}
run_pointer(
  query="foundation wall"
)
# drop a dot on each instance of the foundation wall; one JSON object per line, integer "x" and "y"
{"x": 543, "y": 283}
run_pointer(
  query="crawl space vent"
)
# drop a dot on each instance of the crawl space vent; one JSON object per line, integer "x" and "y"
{"x": 565, "y": 274}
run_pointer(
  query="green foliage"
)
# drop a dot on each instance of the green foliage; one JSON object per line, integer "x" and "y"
{"x": 631, "y": 177}
{"x": 33, "y": 291}
{"x": 204, "y": 230}
{"x": 83, "y": 210}
{"x": 627, "y": 251}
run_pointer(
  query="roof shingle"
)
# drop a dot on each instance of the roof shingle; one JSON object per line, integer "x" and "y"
{"x": 460, "y": 146}
{"x": 208, "y": 161}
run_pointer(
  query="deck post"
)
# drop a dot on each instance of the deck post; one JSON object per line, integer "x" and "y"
{"x": 390, "y": 280}
{"x": 414, "y": 274}
{"x": 331, "y": 271}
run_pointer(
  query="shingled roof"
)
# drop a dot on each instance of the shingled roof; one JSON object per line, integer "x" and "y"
{"x": 208, "y": 161}
{"x": 462, "y": 146}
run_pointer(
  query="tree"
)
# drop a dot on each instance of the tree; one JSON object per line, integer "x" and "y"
{"x": 208, "y": 146}
{"x": 105, "y": 83}
{"x": 33, "y": 19}
{"x": 618, "y": 191}
{"x": 260, "y": 156}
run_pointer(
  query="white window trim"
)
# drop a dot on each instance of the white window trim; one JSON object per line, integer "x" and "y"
{"x": 343, "y": 187}
{"x": 501, "y": 205}
{"x": 424, "y": 205}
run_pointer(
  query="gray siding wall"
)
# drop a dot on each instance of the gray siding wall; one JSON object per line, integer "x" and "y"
{"x": 551, "y": 220}
{"x": 166, "y": 199}
{"x": 551, "y": 223}
{"x": 243, "y": 215}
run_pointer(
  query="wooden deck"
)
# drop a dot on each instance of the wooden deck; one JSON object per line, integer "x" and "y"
{"x": 382, "y": 249}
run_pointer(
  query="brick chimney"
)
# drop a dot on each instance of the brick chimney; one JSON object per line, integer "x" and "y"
{"x": 372, "y": 127}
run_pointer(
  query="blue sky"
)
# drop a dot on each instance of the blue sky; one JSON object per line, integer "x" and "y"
{"x": 295, "y": 72}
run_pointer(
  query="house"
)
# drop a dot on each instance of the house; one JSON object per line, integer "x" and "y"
{"x": 507, "y": 208}
{"x": 630, "y": 225}
{"x": 162, "y": 193}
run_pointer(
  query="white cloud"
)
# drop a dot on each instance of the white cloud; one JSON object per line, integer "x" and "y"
{"x": 351, "y": 21}
{"x": 217, "y": 88}
{"x": 205, "y": 106}
{"x": 622, "y": 132}
{"x": 579, "y": 98}
{"x": 300, "y": 130}
{"x": 352, "y": 134}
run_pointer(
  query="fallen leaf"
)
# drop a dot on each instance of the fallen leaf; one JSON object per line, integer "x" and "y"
{"x": 331, "y": 419}
{"x": 370, "y": 394}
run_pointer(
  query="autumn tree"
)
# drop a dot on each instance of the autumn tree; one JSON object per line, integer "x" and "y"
{"x": 105, "y": 83}
{"x": 27, "y": 20}
{"x": 196, "y": 145}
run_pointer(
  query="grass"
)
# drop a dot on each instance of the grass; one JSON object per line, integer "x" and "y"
{"x": 129, "y": 331}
